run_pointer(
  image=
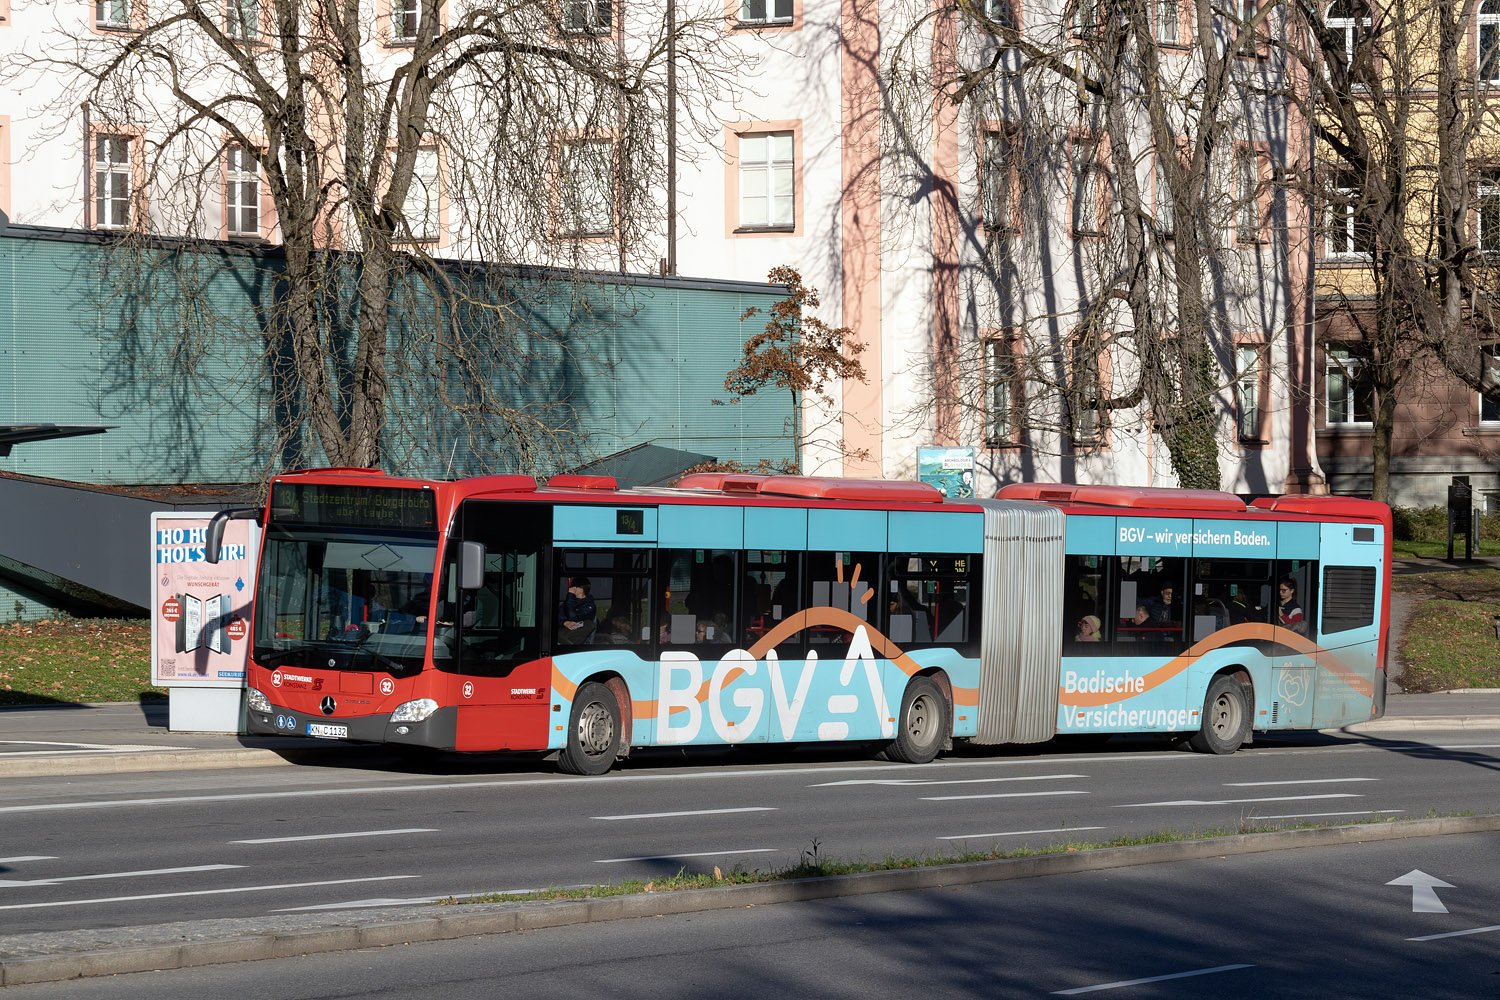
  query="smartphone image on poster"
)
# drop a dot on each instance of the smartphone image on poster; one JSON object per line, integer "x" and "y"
{"x": 213, "y": 621}
{"x": 192, "y": 616}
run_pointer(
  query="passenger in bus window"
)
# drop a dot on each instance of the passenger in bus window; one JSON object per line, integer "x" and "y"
{"x": 575, "y": 615}
{"x": 1161, "y": 608}
{"x": 1088, "y": 629}
{"x": 1290, "y": 612}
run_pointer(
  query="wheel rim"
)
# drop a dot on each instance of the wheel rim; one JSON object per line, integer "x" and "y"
{"x": 596, "y": 730}
{"x": 921, "y": 720}
{"x": 1226, "y": 716}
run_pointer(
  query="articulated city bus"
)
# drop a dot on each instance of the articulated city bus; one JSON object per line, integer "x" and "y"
{"x": 496, "y": 613}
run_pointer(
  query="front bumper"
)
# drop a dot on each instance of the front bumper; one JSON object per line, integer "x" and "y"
{"x": 439, "y": 730}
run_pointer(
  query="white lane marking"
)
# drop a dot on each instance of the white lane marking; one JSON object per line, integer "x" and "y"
{"x": 690, "y": 812}
{"x": 1300, "y": 781}
{"x": 995, "y": 795}
{"x": 1149, "y": 979}
{"x": 1355, "y": 812}
{"x": 698, "y": 854}
{"x": 1449, "y": 934}
{"x": 953, "y": 781}
{"x": 1020, "y": 833}
{"x": 617, "y": 779}
{"x": 1229, "y": 802}
{"x": 27, "y": 857}
{"x": 201, "y": 892}
{"x": 77, "y": 747}
{"x": 359, "y": 904}
{"x": 11, "y": 883}
{"x": 335, "y": 836}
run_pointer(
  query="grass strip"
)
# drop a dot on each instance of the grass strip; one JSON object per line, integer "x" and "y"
{"x": 813, "y": 865}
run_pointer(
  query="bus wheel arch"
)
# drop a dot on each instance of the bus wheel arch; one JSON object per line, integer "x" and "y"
{"x": 924, "y": 722}
{"x": 595, "y": 733}
{"x": 1227, "y": 707}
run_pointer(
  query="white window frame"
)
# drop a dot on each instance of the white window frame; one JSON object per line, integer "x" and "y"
{"x": 242, "y": 19}
{"x": 112, "y": 13}
{"x": 113, "y": 180}
{"x": 1002, "y": 375}
{"x": 1342, "y": 364}
{"x": 768, "y": 176}
{"x": 1088, "y": 173}
{"x": 1248, "y": 359}
{"x": 1166, "y": 219}
{"x": 1341, "y": 238}
{"x": 1168, "y": 22}
{"x": 1487, "y": 210}
{"x": 1350, "y": 25}
{"x": 1489, "y": 41}
{"x": 420, "y": 207}
{"x": 1002, "y": 12}
{"x": 1489, "y": 403}
{"x": 1088, "y": 374}
{"x": 1247, "y": 191}
{"x": 241, "y": 192}
{"x": 996, "y": 180}
{"x": 586, "y": 177}
{"x": 588, "y": 17}
{"x": 409, "y": 12}
{"x": 767, "y": 11}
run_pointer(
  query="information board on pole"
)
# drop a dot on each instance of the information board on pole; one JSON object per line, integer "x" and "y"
{"x": 951, "y": 470}
{"x": 200, "y": 616}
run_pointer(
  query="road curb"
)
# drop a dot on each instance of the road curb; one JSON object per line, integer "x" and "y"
{"x": 1423, "y": 724}
{"x": 379, "y": 928}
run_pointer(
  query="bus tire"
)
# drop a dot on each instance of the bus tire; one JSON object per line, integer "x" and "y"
{"x": 923, "y": 726}
{"x": 1226, "y": 718}
{"x": 594, "y": 733}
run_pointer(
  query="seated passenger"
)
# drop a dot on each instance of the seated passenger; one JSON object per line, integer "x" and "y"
{"x": 1161, "y": 608}
{"x": 1088, "y": 629}
{"x": 575, "y": 615}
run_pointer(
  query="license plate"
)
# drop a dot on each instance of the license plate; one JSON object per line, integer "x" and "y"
{"x": 319, "y": 729}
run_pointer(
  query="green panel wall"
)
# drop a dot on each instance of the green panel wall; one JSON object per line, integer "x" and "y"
{"x": 641, "y": 359}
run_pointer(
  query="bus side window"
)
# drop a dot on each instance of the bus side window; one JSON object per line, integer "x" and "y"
{"x": 844, "y": 582}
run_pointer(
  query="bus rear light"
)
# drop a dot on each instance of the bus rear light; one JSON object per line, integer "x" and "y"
{"x": 256, "y": 701}
{"x": 414, "y": 711}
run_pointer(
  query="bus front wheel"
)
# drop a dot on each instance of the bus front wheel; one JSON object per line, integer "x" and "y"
{"x": 1226, "y": 718}
{"x": 923, "y": 726}
{"x": 593, "y": 731}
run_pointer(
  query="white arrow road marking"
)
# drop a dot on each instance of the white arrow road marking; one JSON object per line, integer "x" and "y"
{"x": 1149, "y": 979}
{"x": 201, "y": 892}
{"x": 996, "y": 795}
{"x": 10, "y": 883}
{"x": 1472, "y": 930}
{"x": 27, "y": 857}
{"x": 334, "y": 836}
{"x": 1300, "y": 781}
{"x": 1424, "y": 897}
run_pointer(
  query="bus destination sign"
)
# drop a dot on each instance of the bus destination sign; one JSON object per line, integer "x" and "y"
{"x": 354, "y": 506}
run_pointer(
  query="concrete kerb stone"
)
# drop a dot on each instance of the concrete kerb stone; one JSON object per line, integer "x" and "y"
{"x": 1424, "y": 724}
{"x": 505, "y": 917}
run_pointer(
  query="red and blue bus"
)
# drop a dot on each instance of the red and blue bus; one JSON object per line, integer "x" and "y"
{"x": 501, "y": 614}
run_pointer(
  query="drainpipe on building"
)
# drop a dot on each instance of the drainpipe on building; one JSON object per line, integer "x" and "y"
{"x": 88, "y": 173}
{"x": 671, "y": 137}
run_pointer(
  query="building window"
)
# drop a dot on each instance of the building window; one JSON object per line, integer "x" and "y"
{"x": 1348, "y": 20}
{"x": 1487, "y": 210}
{"x": 1002, "y": 391}
{"x": 1247, "y": 205}
{"x": 1001, "y": 13}
{"x": 999, "y": 181}
{"x": 112, "y": 13}
{"x": 1489, "y": 41}
{"x": 1248, "y": 386}
{"x": 242, "y": 20}
{"x": 420, "y": 207}
{"x": 1088, "y": 188}
{"x": 586, "y": 198}
{"x": 1348, "y": 235}
{"x": 588, "y": 17}
{"x": 241, "y": 193}
{"x": 112, "y": 181}
{"x": 1351, "y": 389}
{"x": 1086, "y": 17}
{"x": 408, "y": 21}
{"x": 1166, "y": 226}
{"x": 1168, "y": 28}
{"x": 1489, "y": 396}
{"x": 1086, "y": 394}
{"x": 767, "y": 189}
{"x": 766, "y": 11}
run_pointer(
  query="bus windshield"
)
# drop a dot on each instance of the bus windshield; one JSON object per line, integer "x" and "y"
{"x": 344, "y": 599}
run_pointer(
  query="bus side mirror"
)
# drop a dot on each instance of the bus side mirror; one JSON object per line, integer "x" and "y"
{"x": 471, "y": 565}
{"x": 215, "y": 537}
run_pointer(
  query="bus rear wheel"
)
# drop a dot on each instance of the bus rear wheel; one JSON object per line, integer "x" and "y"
{"x": 593, "y": 731}
{"x": 1226, "y": 718}
{"x": 923, "y": 726}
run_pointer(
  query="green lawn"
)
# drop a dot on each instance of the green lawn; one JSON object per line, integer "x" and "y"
{"x": 1450, "y": 640}
{"x": 75, "y": 660}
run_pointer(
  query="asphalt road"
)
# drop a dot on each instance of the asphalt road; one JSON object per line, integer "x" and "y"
{"x": 120, "y": 850}
{"x": 1316, "y": 923}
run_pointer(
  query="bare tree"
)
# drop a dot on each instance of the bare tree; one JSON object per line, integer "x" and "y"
{"x": 391, "y": 141}
{"x": 1145, "y": 280}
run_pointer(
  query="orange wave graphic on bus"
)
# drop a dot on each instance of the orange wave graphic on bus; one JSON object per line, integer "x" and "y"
{"x": 801, "y": 621}
{"x": 1233, "y": 635}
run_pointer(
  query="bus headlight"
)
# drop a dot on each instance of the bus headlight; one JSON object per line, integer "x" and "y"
{"x": 257, "y": 701}
{"x": 414, "y": 711}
